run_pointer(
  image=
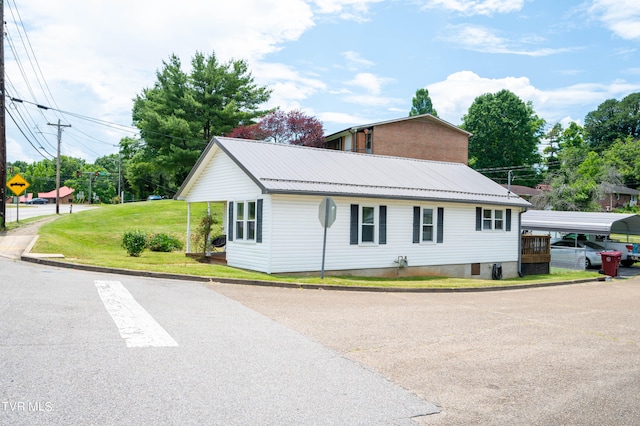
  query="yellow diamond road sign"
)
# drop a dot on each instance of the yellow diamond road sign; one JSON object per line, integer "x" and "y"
{"x": 17, "y": 184}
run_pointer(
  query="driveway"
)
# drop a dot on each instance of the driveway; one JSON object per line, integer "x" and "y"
{"x": 559, "y": 355}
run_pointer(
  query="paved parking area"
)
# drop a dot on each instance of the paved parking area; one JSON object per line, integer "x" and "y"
{"x": 557, "y": 355}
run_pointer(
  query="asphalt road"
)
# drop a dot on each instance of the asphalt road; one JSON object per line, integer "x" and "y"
{"x": 22, "y": 211}
{"x": 88, "y": 348}
{"x": 566, "y": 355}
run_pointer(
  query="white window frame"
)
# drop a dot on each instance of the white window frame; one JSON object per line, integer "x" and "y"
{"x": 248, "y": 225}
{"x": 498, "y": 222}
{"x": 433, "y": 224}
{"x": 492, "y": 222}
{"x": 375, "y": 225}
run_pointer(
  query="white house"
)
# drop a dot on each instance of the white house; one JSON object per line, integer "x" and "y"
{"x": 443, "y": 218}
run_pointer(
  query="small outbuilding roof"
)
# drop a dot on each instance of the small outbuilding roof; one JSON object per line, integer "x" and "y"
{"x": 581, "y": 222}
{"x": 290, "y": 169}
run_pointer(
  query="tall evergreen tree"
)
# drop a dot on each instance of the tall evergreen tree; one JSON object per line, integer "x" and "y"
{"x": 178, "y": 115}
{"x": 421, "y": 104}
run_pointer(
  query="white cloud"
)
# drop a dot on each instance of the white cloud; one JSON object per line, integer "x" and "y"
{"x": 354, "y": 10}
{"x": 97, "y": 56}
{"x": 342, "y": 118}
{"x": 453, "y": 96}
{"x": 477, "y": 7}
{"x": 288, "y": 85}
{"x": 371, "y": 83}
{"x": 371, "y": 100}
{"x": 622, "y": 17}
{"x": 355, "y": 60}
{"x": 482, "y": 39}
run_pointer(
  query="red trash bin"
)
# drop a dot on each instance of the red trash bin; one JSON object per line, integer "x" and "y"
{"x": 610, "y": 262}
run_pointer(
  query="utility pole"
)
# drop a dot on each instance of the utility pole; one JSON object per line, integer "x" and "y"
{"x": 3, "y": 133}
{"x": 60, "y": 126}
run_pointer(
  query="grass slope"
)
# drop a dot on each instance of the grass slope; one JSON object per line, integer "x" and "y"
{"x": 95, "y": 236}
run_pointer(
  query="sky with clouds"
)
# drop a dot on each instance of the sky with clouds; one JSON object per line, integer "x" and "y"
{"x": 346, "y": 62}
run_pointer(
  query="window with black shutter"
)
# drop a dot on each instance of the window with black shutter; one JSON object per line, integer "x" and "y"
{"x": 231, "y": 222}
{"x": 382, "y": 238}
{"x": 353, "y": 226}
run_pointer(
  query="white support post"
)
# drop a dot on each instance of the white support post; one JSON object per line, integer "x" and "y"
{"x": 188, "y": 227}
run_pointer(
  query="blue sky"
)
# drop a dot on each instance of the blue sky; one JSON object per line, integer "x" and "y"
{"x": 346, "y": 62}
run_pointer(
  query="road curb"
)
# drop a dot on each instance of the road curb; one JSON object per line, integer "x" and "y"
{"x": 27, "y": 257}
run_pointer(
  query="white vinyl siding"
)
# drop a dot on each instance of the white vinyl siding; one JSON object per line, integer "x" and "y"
{"x": 296, "y": 244}
{"x": 222, "y": 180}
{"x": 250, "y": 254}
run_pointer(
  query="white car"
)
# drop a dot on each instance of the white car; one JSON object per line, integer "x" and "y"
{"x": 572, "y": 253}
{"x": 626, "y": 249}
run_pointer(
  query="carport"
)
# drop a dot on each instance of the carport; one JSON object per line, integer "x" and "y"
{"x": 588, "y": 223}
{"x": 581, "y": 222}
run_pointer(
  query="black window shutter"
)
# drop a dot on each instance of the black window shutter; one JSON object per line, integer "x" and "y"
{"x": 416, "y": 224}
{"x": 382, "y": 238}
{"x": 478, "y": 218}
{"x": 259, "y": 221}
{"x": 354, "y": 224}
{"x": 230, "y": 224}
{"x": 440, "y": 237}
{"x": 508, "y": 225}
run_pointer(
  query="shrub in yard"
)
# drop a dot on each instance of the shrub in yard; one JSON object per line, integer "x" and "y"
{"x": 203, "y": 232}
{"x": 134, "y": 242}
{"x": 164, "y": 243}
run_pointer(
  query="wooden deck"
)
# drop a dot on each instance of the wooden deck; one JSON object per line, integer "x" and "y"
{"x": 536, "y": 249}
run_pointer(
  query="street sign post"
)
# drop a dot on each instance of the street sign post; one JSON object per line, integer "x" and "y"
{"x": 18, "y": 185}
{"x": 327, "y": 212}
{"x": 327, "y": 215}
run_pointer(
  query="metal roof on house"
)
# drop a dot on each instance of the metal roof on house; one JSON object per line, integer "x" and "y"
{"x": 64, "y": 191}
{"x": 289, "y": 169}
{"x": 581, "y": 222}
{"x": 427, "y": 117}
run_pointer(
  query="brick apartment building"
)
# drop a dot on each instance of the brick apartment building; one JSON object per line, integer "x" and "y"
{"x": 423, "y": 137}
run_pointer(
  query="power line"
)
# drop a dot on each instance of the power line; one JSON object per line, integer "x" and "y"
{"x": 27, "y": 138}
{"x": 121, "y": 127}
{"x": 35, "y": 59}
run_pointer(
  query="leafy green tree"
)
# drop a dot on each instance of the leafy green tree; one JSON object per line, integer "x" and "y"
{"x": 15, "y": 168}
{"x": 142, "y": 176}
{"x": 506, "y": 132}
{"x": 41, "y": 175}
{"x": 421, "y": 104}
{"x": 178, "y": 115}
{"x": 613, "y": 120}
{"x": 579, "y": 185}
{"x": 572, "y": 136}
{"x": 573, "y": 149}
{"x": 624, "y": 156}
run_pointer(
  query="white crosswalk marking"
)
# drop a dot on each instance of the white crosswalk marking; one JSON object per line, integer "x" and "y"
{"x": 137, "y": 327}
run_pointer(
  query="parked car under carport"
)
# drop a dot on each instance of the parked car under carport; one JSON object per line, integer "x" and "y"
{"x": 572, "y": 252}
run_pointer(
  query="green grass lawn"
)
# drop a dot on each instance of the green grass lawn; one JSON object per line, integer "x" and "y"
{"x": 94, "y": 237}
